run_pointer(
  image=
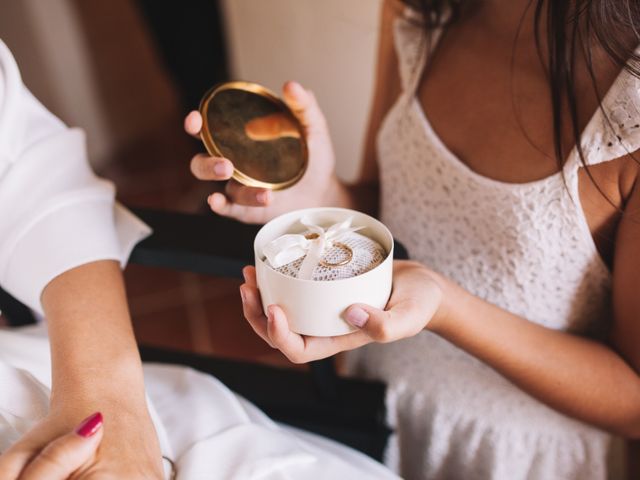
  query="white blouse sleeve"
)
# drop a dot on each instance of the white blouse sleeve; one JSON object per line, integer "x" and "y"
{"x": 55, "y": 213}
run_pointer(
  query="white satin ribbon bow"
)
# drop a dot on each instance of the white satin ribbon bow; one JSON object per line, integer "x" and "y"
{"x": 290, "y": 247}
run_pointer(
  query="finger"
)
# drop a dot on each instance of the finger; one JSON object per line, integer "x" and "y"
{"x": 404, "y": 319}
{"x": 314, "y": 348}
{"x": 193, "y": 123}
{"x": 305, "y": 107}
{"x": 62, "y": 457}
{"x": 300, "y": 348}
{"x": 221, "y": 205}
{"x": 288, "y": 342}
{"x": 249, "y": 196}
{"x": 379, "y": 325}
{"x": 252, "y": 310}
{"x": 205, "y": 167}
{"x": 249, "y": 274}
{"x": 323, "y": 347}
{"x": 13, "y": 461}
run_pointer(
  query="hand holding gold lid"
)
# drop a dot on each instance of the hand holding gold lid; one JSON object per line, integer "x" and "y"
{"x": 249, "y": 125}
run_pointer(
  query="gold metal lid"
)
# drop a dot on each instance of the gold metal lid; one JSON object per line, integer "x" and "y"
{"x": 249, "y": 125}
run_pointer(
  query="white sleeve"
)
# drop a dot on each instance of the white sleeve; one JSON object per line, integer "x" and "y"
{"x": 55, "y": 213}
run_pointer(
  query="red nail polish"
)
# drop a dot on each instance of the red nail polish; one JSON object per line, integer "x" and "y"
{"x": 90, "y": 425}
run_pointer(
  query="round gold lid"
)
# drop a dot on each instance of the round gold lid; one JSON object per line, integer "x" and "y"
{"x": 249, "y": 125}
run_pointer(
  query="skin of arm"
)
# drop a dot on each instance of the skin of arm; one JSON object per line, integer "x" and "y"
{"x": 96, "y": 365}
{"x": 90, "y": 332}
{"x": 583, "y": 378}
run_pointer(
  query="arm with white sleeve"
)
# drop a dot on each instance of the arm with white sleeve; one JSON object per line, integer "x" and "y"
{"x": 63, "y": 240}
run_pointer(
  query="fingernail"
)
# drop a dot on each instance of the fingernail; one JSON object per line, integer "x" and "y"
{"x": 262, "y": 197}
{"x": 297, "y": 87}
{"x": 242, "y": 295}
{"x": 215, "y": 201}
{"x": 220, "y": 169}
{"x": 270, "y": 315}
{"x": 90, "y": 425}
{"x": 356, "y": 316}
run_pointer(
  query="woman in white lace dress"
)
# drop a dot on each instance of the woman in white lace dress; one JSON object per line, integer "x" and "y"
{"x": 501, "y": 154}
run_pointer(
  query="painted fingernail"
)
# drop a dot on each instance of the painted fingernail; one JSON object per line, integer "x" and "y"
{"x": 221, "y": 169}
{"x": 356, "y": 316}
{"x": 90, "y": 425}
{"x": 262, "y": 197}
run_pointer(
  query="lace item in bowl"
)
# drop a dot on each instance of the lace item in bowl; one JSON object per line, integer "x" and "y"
{"x": 353, "y": 255}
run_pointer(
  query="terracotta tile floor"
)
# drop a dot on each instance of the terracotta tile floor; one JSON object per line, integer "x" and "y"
{"x": 177, "y": 309}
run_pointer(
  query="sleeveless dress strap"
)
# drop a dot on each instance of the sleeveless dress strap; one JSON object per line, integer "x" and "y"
{"x": 614, "y": 129}
{"x": 412, "y": 45}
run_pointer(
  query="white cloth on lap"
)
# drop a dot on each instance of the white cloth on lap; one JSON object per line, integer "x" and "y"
{"x": 210, "y": 432}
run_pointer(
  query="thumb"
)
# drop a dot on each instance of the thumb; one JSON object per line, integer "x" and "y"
{"x": 193, "y": 123}
{"x": 305, "y": 107}
{"x": 62, "y": 457}
{"x": 380, "y": 325}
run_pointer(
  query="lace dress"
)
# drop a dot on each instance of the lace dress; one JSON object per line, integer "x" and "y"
{"x": 524, "y": 247}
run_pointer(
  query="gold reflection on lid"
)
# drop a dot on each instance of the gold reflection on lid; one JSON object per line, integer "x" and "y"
{"x": 249, "y": 125}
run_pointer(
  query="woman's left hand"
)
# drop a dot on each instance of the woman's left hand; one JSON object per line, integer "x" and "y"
{"x": 416, "y": 299}
{"x": 45, "y": 453}
{"x": 128, "y": 447}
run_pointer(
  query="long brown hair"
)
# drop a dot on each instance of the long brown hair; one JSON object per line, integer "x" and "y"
{"x": 571, "y": 28}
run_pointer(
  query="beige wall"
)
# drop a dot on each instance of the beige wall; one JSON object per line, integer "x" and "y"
{"x": 93, "y": 65}
{"x": 46, "y": 39}
{"x": 329, "y": 46}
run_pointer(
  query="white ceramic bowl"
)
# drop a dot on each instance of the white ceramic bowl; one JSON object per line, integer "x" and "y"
{"x": 317, "y": 307}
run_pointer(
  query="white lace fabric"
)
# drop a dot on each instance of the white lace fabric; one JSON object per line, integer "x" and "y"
{"x": 365, "y": 255}
{"x": 524, "y": 247}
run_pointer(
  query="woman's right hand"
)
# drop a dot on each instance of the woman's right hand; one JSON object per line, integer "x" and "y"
{"x": 61, "y": 457}
{"x": 318, "y": 187}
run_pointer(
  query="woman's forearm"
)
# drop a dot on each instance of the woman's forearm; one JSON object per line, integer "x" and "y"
{"x": 93, "y": 351}
{"x": 578, "y": 376}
